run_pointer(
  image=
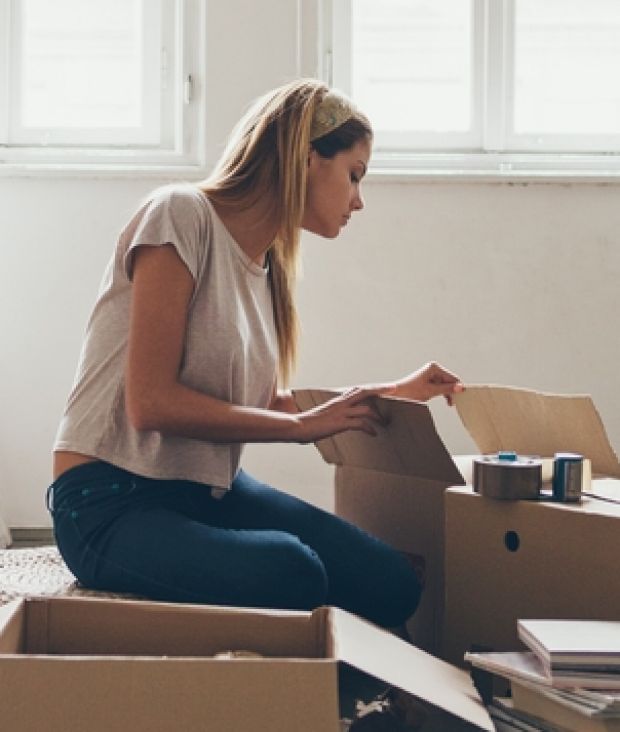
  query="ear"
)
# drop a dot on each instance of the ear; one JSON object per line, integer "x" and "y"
{"x": 312, "y": 156}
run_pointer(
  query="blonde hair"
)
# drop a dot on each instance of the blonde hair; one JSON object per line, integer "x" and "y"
{"x": 266, "y": 160}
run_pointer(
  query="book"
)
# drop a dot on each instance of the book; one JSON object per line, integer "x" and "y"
{"x": 543, "y": 703}
{"x": 512, "y": 665}
{"x": 507, "y": 719}
{"x": 603, "y": 703}
{"x": 526, "y": 665}
{"x": 606, "y": 699}
{"x": 573, "y": 645}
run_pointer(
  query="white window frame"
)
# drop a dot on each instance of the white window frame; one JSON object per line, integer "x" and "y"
{"x": 491, "y": 150}
{"x": 170, "y": 143}
{"x": 341, "y": 78}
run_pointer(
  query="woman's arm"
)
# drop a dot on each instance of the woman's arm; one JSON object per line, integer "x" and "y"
{"x": 429, "y": 381}
{"x": 156, "y": 400}
{"x": 284, "y": 401}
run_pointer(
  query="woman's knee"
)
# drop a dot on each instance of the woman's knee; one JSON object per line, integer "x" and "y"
{"x": 300, "y": 579}
{"x": 401, "y": 602}
{"x": 394, "y": 596}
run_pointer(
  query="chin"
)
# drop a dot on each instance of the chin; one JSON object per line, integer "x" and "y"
{"x": 331, "y": 231}
{"x": 327, "y": 232}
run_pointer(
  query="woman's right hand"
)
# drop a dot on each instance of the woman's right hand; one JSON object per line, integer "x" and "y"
{"x": 351, "y": 410}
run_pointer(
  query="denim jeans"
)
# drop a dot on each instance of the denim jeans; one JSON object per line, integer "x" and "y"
{"x": 255, "y": 547}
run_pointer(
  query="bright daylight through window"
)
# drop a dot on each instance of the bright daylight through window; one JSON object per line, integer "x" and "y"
{"x": 520, "y": 82}
{"x": 87, "y": 81}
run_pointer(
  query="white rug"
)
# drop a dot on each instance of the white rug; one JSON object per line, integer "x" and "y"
{"x": 39, "y": 571}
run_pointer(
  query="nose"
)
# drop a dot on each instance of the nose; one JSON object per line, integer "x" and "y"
{"x": 357, "y": 204}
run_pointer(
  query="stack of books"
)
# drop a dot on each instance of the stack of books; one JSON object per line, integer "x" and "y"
{"x": 567, "y": 680}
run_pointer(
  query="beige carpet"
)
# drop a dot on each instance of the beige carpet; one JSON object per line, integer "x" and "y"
{"x": 39, "y": 572}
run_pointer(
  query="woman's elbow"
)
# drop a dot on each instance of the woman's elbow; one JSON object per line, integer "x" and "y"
{"x": 142, "y": 414}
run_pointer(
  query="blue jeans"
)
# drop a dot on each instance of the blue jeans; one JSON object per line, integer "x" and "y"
{"x": 255, "y": 547}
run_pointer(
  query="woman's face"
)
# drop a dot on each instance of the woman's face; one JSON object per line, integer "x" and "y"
{"x": 333, "y": 189}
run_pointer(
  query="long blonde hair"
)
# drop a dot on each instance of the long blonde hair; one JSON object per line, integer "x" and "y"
{"x": 266, "y": 159}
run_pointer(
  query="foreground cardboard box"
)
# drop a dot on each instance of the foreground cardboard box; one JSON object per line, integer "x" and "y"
{"x": 91, "y": 664}
{"x": 506, "y": 560}
{"x": 392, "y": 486}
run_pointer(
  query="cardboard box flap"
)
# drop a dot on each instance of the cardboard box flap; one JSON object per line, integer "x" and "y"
{"x": 382, "y": 655}
{"x": 535, "y": 423}
{"x": 407, "y": 445}
{"x": 12, "y": 626}
{"x": 90, "y": 626}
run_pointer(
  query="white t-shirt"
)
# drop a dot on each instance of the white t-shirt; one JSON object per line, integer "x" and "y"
{"x": 230, "y": 349}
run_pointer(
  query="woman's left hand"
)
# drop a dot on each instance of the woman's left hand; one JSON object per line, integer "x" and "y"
{"x": 429, "y": 381}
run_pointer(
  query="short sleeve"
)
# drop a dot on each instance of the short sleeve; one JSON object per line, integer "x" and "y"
{"x": 173, "y": 215}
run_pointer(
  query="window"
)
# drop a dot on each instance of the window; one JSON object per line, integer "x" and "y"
{"x": 499, "y": 83}
{"x": 100, "y": 82}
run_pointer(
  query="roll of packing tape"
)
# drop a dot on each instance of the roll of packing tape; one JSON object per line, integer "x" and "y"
{"x": 507, "y": 476}
{"x": 547, "y": 475}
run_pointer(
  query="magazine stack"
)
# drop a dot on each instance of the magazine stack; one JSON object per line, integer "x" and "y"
{"x": 568, "y": 679}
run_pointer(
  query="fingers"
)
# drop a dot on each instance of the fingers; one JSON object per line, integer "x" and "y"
{"x": 357, "y": 394}
{"x": 355, "y": 410}
{"x": 361, "y": 416}
{"x": 440, "y": 375}
{"x": 443, "y": 382}
{"x": 363, "y": 426}
{"x": 447, "y": 391}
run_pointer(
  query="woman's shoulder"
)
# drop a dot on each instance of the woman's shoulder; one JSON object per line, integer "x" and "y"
{"x": 177, "y": 213}
{"x": 179, "y": 196}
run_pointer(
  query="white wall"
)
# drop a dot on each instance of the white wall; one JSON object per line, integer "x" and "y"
{"x": 512, "y": 284}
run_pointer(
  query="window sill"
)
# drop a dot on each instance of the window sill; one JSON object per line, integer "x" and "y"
{"x": 385, "y": 167}
{"x": 108, "y": 171}
{"x": 494, "y": 168}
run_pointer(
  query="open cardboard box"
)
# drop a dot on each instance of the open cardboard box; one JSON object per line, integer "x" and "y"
{"x": 536, "y": 423}
{"x": 392, "y": 486}
{"x": 506, "y": 560}
{"x": 95, "y": 664}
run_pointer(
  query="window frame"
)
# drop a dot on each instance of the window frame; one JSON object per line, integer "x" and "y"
{"x": 436, "y": 141}
{"x": 181, "y": 144}
{"x": 492, "y": 78}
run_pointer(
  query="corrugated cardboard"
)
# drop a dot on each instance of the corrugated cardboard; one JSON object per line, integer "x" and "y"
{"x": 93, "y": 664}
{"x": 392, "y": 486}
{"x": 408, "y": 443}
{"x": 529, "y": 559}
{"x": 535, "y": 423}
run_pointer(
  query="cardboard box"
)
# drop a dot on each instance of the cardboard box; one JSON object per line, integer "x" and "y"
{"x": 526, "y": 559}
{"x": 535, "y": 423}
{"x": 92, "y": 664}
{"x": 506, "y": 560}
{"x": 392, "y": 486}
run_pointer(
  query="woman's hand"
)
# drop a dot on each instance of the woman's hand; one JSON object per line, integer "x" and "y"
{"x": 427, "y": 382}
{"x": 351, "y": 410}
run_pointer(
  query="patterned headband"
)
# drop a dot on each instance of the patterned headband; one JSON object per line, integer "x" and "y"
{"x": 332, "y": 111}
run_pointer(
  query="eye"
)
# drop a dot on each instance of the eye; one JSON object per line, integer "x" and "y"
{"x": 355, "y": 178}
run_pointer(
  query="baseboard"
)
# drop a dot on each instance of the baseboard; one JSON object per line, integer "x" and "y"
{"x": 31, "y": 536}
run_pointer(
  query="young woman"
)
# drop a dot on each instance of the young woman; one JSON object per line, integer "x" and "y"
{"x": 194, "y": 321}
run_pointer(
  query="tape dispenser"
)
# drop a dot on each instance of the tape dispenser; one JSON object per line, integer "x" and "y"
{"x": 507, "y": 476}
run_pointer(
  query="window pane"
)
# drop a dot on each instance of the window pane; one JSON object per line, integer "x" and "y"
{"x": 411, "y": 63}
{"x": 81, "y": 63}
{"x": 567, "y": 58}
